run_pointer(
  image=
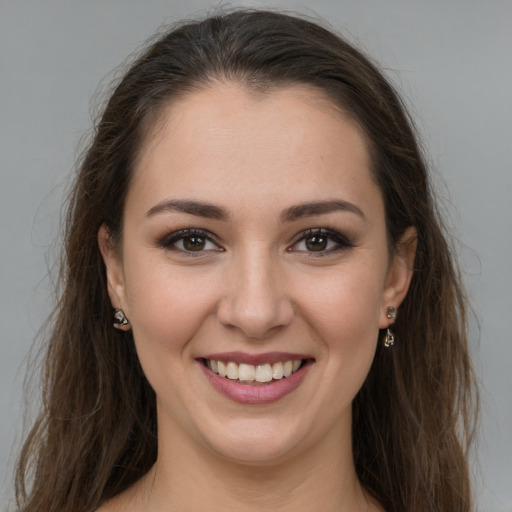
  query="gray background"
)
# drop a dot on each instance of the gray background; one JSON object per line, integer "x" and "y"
{"x": 451, "y": 59}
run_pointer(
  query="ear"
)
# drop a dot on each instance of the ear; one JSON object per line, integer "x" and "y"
{"x": 114, "y": 267}
{"x": 399, "y": 275}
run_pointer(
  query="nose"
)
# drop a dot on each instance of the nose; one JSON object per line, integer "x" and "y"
{"x": 254, "y": 298}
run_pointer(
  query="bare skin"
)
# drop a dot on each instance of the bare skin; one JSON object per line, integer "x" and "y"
{"x": 254, "y": 277}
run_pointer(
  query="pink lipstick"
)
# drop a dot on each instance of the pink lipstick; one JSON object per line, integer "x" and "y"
{"x": 265, "y": 387}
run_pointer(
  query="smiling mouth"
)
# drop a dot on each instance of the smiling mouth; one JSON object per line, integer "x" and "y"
{"x": 255, "y": 375}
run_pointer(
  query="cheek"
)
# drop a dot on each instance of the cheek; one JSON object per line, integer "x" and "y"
{"x": 345, "y": 303}
{"x": 343, "y": 312}
{"x": 166, "y": 306}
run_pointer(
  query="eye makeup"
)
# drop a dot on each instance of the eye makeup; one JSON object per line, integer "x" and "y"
{"x": 190, "y": 241}
{"x": 315, "y": 242}
{"x": 320, "y": 242}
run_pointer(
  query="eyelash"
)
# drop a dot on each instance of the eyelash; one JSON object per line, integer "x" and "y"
{"x": 169, "y": 241}
{"x": 341, "y": 242}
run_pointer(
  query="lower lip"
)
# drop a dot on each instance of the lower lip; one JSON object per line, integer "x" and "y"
{"x": 256, "y": 394}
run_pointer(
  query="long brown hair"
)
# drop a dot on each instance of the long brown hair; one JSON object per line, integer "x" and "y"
{"x": 413, "y": 417}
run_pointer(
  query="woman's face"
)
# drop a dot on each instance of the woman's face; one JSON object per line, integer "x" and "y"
{"x": 254, "y": 235}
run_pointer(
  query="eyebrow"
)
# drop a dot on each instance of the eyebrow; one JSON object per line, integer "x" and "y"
{"x": 319, "y": 208}
{"x": 211, "y": 211}
{"x": 200, "y": 209}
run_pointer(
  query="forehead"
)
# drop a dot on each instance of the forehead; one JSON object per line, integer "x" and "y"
{"x": 290, "y": 144}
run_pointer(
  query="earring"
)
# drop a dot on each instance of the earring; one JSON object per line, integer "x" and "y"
{"x": 391, "y": 312}
{"x": 389, "y": 339}
{"x": 122, "y": 322}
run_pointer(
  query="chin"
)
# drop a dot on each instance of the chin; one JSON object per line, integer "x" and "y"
{"x": 258, "y": 443}
{"x": 256, "y": 454}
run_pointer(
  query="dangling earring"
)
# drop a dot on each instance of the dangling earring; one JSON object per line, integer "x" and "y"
{"x": 122, "y": 322}
{"x": 389, "y": 338}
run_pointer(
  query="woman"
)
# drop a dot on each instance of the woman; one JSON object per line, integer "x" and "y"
{"x": 254, "y": 216}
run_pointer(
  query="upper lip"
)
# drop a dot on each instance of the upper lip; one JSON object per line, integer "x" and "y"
{"x": 256, "y": 359}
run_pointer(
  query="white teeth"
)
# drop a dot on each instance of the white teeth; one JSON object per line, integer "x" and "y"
{"x": 248, "y": 373}
{"x": 222, "y": 368}
{"x": 277, "y": 371}
{"x": 287, "y": 368}
{"x": 232, "y": 371}
{"x": 263, "y": 373}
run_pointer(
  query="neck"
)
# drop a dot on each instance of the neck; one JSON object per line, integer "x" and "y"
{"x": 321, "y": 478}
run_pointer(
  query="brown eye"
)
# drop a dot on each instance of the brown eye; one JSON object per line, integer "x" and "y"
{"x": 189, "y": 241}
{"x": 316, "y": 243}
{"x": 194, "y": 243}
{"x": 320, "y": 242}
